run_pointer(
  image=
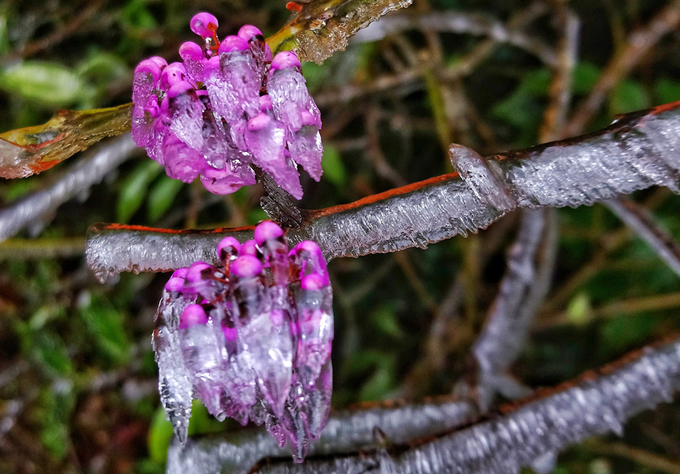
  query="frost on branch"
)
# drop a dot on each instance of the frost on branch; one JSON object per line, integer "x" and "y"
{"x": 597, "y": 403}
{"x": 637, "y": 151}
{"x": 251, "y": 338}
{"x": 35, "y": 209}
{"x": 237, "y": 452}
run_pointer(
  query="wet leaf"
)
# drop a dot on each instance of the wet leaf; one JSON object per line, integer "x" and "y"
{"x": 324, "y": 26}
{"x": 32, "y": 150}
{"x": 161, "y": 197}
{"x": 50, "y": 84}
{"x": 57, "y": 405}
{"x": 628, "y": 96}
{"x": 160, "y": 434}
{"x": 134, "y": 189}
{"x": 106, "y": 325}
{"x": 333, "y": 167}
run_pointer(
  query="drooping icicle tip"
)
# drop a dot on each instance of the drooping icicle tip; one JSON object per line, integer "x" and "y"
{"x": 250, "y": 337}
{"x": 227, "y": 106}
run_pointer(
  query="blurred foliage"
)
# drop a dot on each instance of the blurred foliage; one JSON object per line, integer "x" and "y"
{"x": 77, "y": 375}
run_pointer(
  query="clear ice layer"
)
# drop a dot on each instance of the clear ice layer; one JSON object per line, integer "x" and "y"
{"x": 634, "y": 153}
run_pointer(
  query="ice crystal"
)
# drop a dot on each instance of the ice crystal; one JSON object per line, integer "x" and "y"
{"x": 226, "y": 106}
{"x": 251, "y": 338}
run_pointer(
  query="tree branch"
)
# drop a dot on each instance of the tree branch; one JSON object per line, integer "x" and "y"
{"x": 524, "y": 285}
{"x": 457, "y": 22}
{"x": 77, "y": 179}
{"x": 640, "y": 221}
{"x": 348, "y": 431}
{"x": 637, "y": 151}
{"x": 597, "y": 402}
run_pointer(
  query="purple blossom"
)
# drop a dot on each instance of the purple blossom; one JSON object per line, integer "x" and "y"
{"x": 228, "y": 105}
{"x": 251, "y": 338}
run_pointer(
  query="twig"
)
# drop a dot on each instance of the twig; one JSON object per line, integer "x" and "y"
{"x": 640, "y": 221}
{"x": 412, "y": 77}
{"x": 636, "y": 152}
{"x": 639, "y": 44}
{"x": 523, "y": 288}
{"x": 77, "y": 179}
{"x": 457, "y": 22}
{"x": 237, "y": 452}
{"x": 532, "y": 257}
{"x": 597, "y": 402}
{"x": 628, "y": 306}
{"x": 25, "y": 249}
{"x": 640, "y": 456}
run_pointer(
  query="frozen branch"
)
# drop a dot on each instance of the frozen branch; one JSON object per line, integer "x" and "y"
{"x": 77, "y": 179}
{"x": 524, "y": 285}
{"x": 639, "y": 44}
{"x": 596, "y": 403}
{"x": 637, "y": 151}
{"x": 644, "y": 226}
{"x": 237, "y": 452}
{"x": 457, "y": 22}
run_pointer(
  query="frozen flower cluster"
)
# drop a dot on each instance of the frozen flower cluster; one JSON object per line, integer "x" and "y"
{"x": 251, "y": 338}
{"x": 228, "y": 105}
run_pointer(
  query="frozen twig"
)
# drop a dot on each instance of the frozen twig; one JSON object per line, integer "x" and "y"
{"x": 640, "y": 221}
{"x": 237, "y": 452}
{"x": 457, "y": 22}
{"x": 524, "y": 285}
{"x": 639, "y": 44}
{"x": 532, "y": 257}
{"x": 79, "y": 178}
{"x": 29, "y": 249}
{"x": 637, "y": 151}
{"x": 412, "y": 77}
{"x": 598, "y": 402}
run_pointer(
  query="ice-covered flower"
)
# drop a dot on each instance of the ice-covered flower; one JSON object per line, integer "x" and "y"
{"x": 251, "y": 338}
{"x": 228, "y": 105}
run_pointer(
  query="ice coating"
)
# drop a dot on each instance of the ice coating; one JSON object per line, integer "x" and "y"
{"x": 203, "y": 117}
{"x": 590, "y": 405}
{"x": 636, "y": 152}
{"x": 251, "y": 338}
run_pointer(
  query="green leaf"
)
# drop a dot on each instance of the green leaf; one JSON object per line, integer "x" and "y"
{"x": 257, "y": 215}
{"x": 46, "y": 83}
{"x": 579, "y": 308}
{"x": 134, "y": 189}
{"x": 628, "y": 96}
{"x": 667, "y": 90}
{"x": 32, "y": 150}
{"x": 585, "y": 77}
{"x": 106, "y": 325}
{"x": 333, "y": 167}
{"x": 383, "y": 380}
{"x": 160, "y": 434}
{"x": 56, "y": 407}
{"x": 136, "y": 14}
{"x": 201, "y": 421}
{"x": 49, "y": 352}
{"x": 385, "y": 320}
{"x": 161, "y": 197}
